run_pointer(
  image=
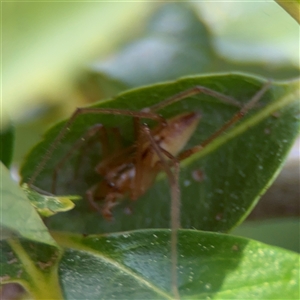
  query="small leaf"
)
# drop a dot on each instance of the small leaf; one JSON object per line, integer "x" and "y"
{"x": 236, "y": 168}
{"x": 18, "y": 215}
{"x": 48, "y": 205}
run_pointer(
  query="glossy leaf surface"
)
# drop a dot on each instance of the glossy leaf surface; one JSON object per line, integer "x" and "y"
{"x": 136, "y": 265}
{"x": 237, "y": 167}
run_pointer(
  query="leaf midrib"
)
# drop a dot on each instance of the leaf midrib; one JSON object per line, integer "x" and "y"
{"x": 65, "y": 242}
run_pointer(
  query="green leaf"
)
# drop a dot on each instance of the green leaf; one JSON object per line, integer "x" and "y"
{"x": 237, "y": 167}
{"x": 18, "y": 215}
{"x": 33, "y": 265}
{"x": 7, "y": 136}
{"x": 48, "y": 205}
{"x": 136, "y": 265}
{"x": 292, "y": 7}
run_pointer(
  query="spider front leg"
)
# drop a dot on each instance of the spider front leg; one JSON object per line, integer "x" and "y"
{"x": 198, "y": 89}
{"x": 110, "y": 201}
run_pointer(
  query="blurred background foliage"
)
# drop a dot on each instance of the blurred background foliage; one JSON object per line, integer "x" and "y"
{"x": 60, "y": 55}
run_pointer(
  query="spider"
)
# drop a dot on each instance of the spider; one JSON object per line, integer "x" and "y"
{"x": 128, "y": 172}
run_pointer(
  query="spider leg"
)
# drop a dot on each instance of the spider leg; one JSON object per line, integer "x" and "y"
{"x": 191, "y": 92}
{"x": 198, "y": 89}
{"x": 138, "y": 159}
{"x": 239, "y": 115}
{"x": 88, "y": 110}
{"x": 175, "y": 202}
{"x": 110, "y": 201}
{"x": 90, "y": 196}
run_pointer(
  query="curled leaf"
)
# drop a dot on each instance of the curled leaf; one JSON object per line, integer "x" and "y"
{"x": 48, "y": 205}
